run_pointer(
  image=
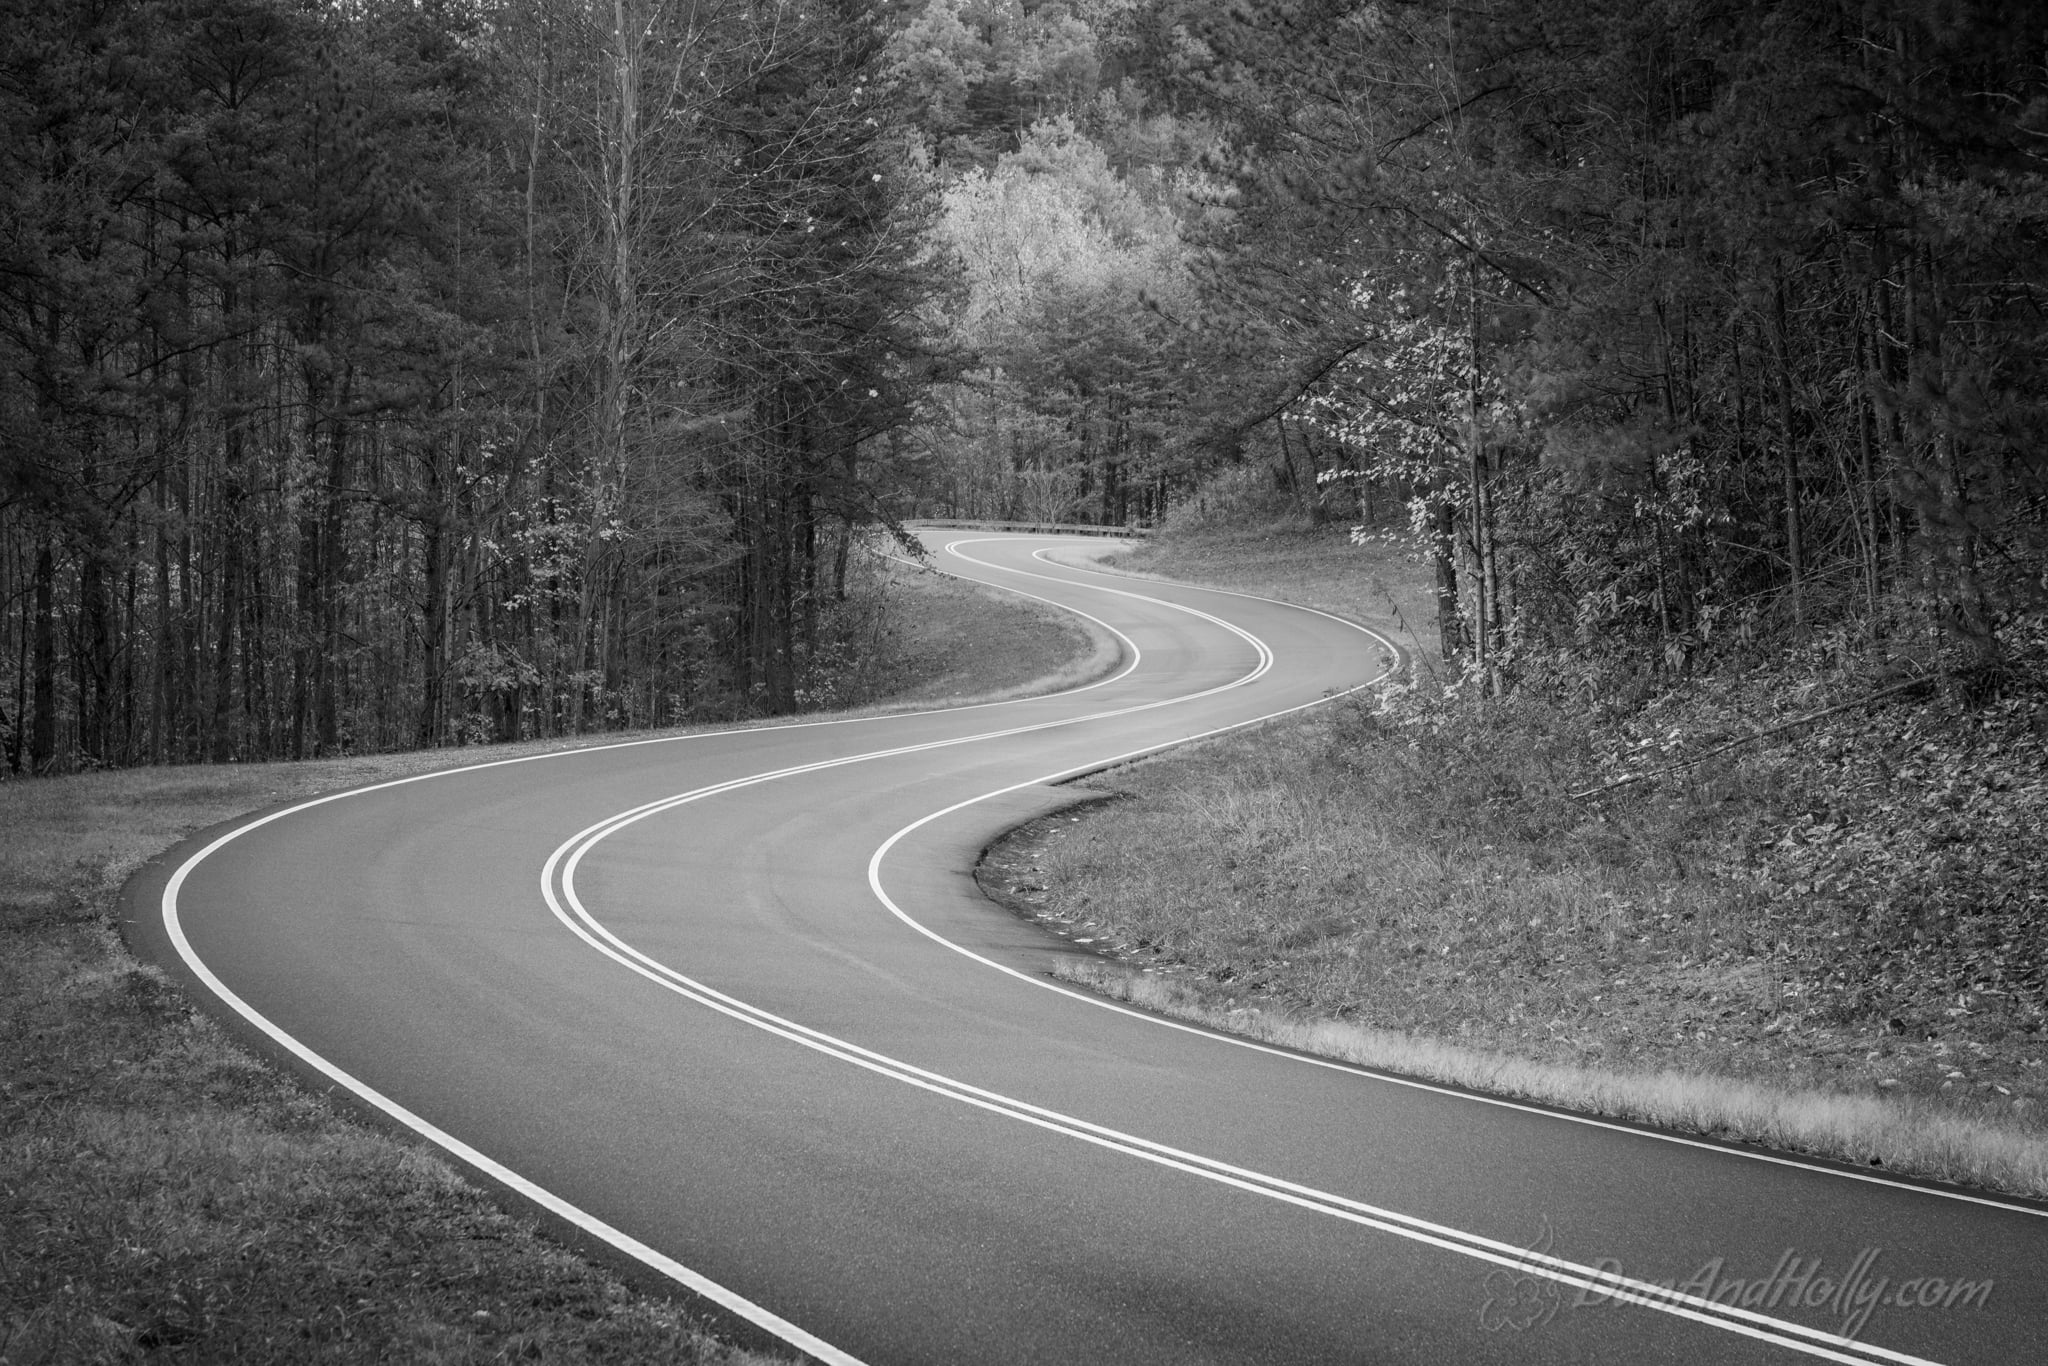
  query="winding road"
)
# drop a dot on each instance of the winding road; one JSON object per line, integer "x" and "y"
{"x": 731, "y": 1006}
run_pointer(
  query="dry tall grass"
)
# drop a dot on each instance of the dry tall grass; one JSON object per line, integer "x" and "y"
{"x": 1902, "y": 1137}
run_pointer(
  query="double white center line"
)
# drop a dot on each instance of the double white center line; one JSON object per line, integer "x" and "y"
{"x": 559, "y": 889}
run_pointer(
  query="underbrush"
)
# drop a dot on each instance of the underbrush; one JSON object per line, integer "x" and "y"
{"x": 1854, "y": 904}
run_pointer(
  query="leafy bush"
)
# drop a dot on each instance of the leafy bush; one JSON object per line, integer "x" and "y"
{"x": 1232, "y": 499}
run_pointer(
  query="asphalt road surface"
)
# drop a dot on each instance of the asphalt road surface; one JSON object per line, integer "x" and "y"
{"x": 731, "y": 1006}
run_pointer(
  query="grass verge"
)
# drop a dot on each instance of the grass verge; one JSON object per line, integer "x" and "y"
{"x": 1831, "y": 942}
{"x": 950, "y": 642}
{"x": 1283, "y": 560}
{"x": 162, "y": 1190}
{"x": 1918, "y": 1139}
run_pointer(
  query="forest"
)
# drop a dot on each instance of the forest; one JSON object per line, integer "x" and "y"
{"x": 392, "y": 373}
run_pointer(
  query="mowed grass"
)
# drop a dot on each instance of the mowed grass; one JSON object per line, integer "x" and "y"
{"x": 949, "y": 642}
{"x": 1380, "y": 586}
{"x": 162, "y": 1191}
{"x": 1413, "y": 887}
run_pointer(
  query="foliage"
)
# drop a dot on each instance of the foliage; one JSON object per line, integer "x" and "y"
{"x": 1071, "y": 274}
{"x": 1733, "y": 347}
{"x": 980, "y": 72}
{"x": 386, "y": 374}
{"x": 395, "y": 374}
{"x": 1236, "y": 498}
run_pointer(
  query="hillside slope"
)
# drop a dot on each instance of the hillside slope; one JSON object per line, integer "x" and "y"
{"x": 1689, "y": 905}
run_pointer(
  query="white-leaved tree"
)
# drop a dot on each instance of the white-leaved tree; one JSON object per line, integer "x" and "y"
{"x": 1070, "y": 280}
{"x": 1413, "y": 408}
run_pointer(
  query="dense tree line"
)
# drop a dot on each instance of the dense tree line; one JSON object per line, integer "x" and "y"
{"x": 409, "y": 371}
{"x": 1070, "y": 276}
{"x": 1070, "y": 192}
{"x": 389, "y": 373}
{"x": 1676, "y": 327}
{"x": 1681, "y": 324}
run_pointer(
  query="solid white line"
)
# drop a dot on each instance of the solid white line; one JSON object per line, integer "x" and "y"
{"x": 1555, "y": 1269}
{"x": 582, "y": 1219}
{"x": 1357, "y": 1069}
{"x": 1043, "y": 557}
{"x": 659, "y": 1261}
{"x": 568, "y": 908}
{"x": 1130, "y": 646}
{"x": 730, "y": 1300}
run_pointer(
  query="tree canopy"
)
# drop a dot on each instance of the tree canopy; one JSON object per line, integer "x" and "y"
{"x": 400, "y": 373}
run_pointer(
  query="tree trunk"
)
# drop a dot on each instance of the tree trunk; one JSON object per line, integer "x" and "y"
{"x": 222, "y": 734}
{"x": 96, "y": 691}
{"x": 1449, "y": 625}
{"x": 431, "y": 728}
{"x": 333, "y": 570}
{"x": 42, "y": 744}
{"x": 1788, "y": 465}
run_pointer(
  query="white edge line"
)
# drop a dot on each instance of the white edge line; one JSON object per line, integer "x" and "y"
{"x": 554, "y": 1204}
{"x": 700, "y": 1284}
{"x": 567, "y": 856}
{"x": 1338, "y": 1064}
{"x": 695, "y": 1281}
{"x": 1811, "y": 1341}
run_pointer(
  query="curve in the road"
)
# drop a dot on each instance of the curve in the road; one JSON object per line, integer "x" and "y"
{"x": 560, "y": 893}
{"x": 586, "y": 928}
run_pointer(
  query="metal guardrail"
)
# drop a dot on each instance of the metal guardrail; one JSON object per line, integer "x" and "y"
{"x": 1030, "y": 528}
